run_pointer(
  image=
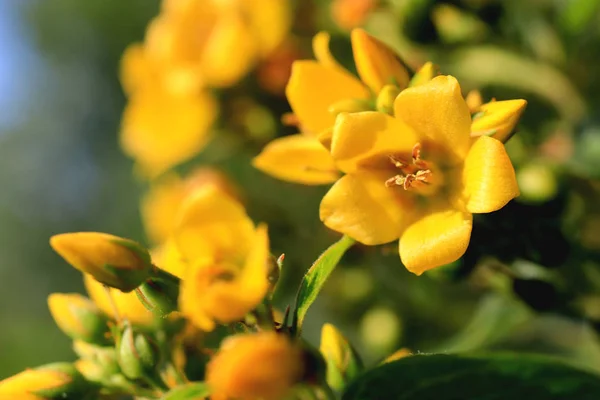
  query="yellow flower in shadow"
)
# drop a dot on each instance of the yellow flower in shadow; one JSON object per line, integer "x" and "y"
{"x": 417, "y": 176}
{"x": 255, "y": 366}
{"x": 227, "y": 257}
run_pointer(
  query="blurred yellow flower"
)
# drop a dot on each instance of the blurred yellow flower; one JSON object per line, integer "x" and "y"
{"x": 214, "y": 42}
{"x": 255, "y": 366}
{"x": 160, "y": 130}
{"x": 417, "y": 176}
{"x": 348, "y": 14}
{"x": 228, "y": 259}
{"x": 160, "y": 205}
{"x": 127, "y": 304}
{"x": 78, "y": 317}
{"x": 114, "y": 261}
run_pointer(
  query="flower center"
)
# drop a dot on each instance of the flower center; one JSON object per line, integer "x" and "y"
{"x": 416, "y": 175}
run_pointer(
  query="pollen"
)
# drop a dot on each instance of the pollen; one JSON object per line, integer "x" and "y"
{"x": 414, "y": 174}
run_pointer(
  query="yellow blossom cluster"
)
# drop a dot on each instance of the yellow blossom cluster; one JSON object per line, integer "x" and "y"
{"x": 409, "y": 158}
{"x": 191, "y": 47}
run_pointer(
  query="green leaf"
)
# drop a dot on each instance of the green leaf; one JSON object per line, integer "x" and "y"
{"x": 498, "y": 376}
{"x": 315, "y": 278}
{"x": 191, "y": 391}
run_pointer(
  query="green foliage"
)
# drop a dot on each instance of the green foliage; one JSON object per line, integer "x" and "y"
{"x": 489, "y": 377}
{"x": 315, "y": 278}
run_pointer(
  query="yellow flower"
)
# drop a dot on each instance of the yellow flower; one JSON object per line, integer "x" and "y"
{"x": 216, "y": 42}
{"x": 417, "y": 176}
{"x": 318, "y": 91}
{"x": 317, "y": 86}
{"x": 342, "y": 361}
{"x": 160, "y": 129}
{"x": 255, "y": 366}
{"x": 497, "y": 119}
{"x": 228, "y": 259}
{"x": 78, "y": 317}
{"x": 160, "y": 206}
{"x": 127, "y": 304}
{"x": 114, "y": 261}
{"x": 41, "y": 383}
{"x": 349, "y": 14}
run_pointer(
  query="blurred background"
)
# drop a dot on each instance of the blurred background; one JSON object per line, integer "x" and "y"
{"x": 530, "y": 279}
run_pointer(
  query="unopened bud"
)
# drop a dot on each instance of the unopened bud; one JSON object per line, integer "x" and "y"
{"x": 343, "y": 363}
{"x": 159, "y": 294}
{"x": 51, "y": 381}
{"x": 79, "y": 318}
{"x": 377, "y": 64}
{"x": 426, "y": 73}
{"x": 96, "y": 364}
{"x": 138, "y": 357}
{"x": 114, "y": 261}
{"x": 385, "y": 99}
{"x": 497, "y": 119}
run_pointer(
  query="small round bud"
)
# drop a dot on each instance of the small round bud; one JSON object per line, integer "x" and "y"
{"x": 138, "y": 357}
{"x": 159, "y": 294}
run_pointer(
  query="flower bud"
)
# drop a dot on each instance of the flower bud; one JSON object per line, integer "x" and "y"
{"x": 426, "y": 73}
{"x": 232, "y": 373}
{"x": 385, "y": 99}
{"x": 377, "y": 64}
{"x": 96, "y": 364}
{"x": 159, "y": 294}
{"x": 51, "y": 381}
{"x": 497, "y": 119}
{"x": 116, "y": 262}
{"x": 138, "y": 357}
{"x": 343, "y": 363}
{"x": 79, "y": 318}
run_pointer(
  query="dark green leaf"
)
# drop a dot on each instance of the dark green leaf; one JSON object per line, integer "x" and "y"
{"x": 487, "y": 377}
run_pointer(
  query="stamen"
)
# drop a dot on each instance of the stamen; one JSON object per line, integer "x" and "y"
{"x": 397, "y": 163}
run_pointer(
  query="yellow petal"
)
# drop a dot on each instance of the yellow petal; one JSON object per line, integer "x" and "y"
{"x": 23, "y": 385}
{"x": 127, "y": 304}
{"x": 323, "y": 55}
{"x": 367, "y": 139}
{"x": 299, "y": 159}
{"x": 362, "y": 207}
{"x": 213, "y": 224}
{"x": 270, "y": 22}
{"x": 426, "y": 73}
{"x": 160, "y": 130}
{"x": 230, "y": 300}
{"x": 377, "y": 64}
{"x": 159, "y": 206}
{"x": 135, "y": 69}
{"x": 168, "y": 258}
{"x": 488, "y": 176}
{"x": 474, "y": 101}
{"x": 498, "y": 119}
{"x": 313, "y": 88}
{"x": 256, "y": 267}
{"x": 437, "y": 239}
{"x": 229, "y": 52}
{"x": 437, "y": 110}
